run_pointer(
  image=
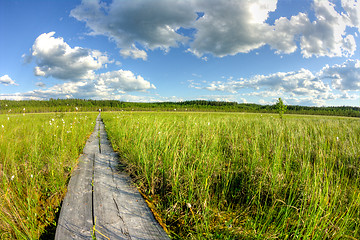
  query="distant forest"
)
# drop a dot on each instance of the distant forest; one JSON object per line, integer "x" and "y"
{"x": 72, "y": 105}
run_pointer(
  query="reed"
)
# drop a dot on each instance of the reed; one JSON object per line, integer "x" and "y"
{"x": 37, "y": 155}
{"x": 244, "y": 176}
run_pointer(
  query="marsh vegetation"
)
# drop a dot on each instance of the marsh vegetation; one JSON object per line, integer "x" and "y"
{"x": 37, "y": 155}
{"x": 207, "y": 175}
{"x": 231, "y": 175}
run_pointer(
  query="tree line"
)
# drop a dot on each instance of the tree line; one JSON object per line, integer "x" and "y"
{"x": 85, "y": 105}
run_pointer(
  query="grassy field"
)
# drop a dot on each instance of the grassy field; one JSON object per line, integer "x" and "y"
{"x": 244, "y": 176}
{"x": 37, "y": 154}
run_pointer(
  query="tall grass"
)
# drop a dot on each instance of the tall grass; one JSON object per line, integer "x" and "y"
{"x": 226, "y": 176}
{"x": 37, "y": 154}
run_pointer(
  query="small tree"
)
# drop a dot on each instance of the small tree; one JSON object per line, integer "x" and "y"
{"x": 280, "y": 107}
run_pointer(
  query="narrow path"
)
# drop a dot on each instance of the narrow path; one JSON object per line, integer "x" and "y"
{"x": 102, "y": 198}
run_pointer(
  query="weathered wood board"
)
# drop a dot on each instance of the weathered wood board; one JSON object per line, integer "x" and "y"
{"x": 75, "y": 221}
{"x": 101, "y": 197}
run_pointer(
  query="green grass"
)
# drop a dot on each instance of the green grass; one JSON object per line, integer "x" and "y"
{"x": 37, "y": 155}
{"x": 245, "y": 176}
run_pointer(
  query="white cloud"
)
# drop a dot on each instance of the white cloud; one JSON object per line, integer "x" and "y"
{"x": 40, "y": 84}
{"x": 134, "y": 53}
{"x": 302, "y": 85}
{"x": 56, "y": 58}
{"x": 264, "y": 102}
{"x": 19, "y": 96}
{"x": 302, "y": 82}
{"x": 243, "y": 100}
{"x": 219, "y": 98}
{"x": 344, "y": 76}
{"x": 224, "y": 27}
{"x": 6, "y": 80}
{"x": 231, "y": 27}
{"x": 326, "y": 36}
{"x": 77, "y": 66}
{"x": 110, "y": 85}
{"x": 352, "y": 8}
{"x": 153, "y": 24}
{"x": 44, "y": 95}
{"x": 348, "y": 96}
{"x": 123, "y": 81}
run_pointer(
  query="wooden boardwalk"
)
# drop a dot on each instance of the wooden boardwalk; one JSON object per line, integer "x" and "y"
{"x": 103, "y": 198}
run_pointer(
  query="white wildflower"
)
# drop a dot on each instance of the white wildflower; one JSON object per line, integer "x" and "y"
{"x": 2, "y": 126}
{"x": 31, "y": 176}
{"x": 188, "y": 205}
{"x": 12, "y": 177}
{"x": 337, "y": 138}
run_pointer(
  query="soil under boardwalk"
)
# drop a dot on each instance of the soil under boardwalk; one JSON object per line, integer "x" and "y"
{"x": 103, "y": 198}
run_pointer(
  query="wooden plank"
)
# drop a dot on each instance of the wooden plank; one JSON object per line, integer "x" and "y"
{"x": 92, "y": 144}
{"x": 133, "y": 210}
{"x": 109, "y": 224}
{"x": 121, "y": 211}
{"x": 105, "y": 144}
{"x": 75, "y": 220}
{"x": 76, "y": 215}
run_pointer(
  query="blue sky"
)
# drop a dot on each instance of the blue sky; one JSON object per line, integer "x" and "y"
{"x": 306, "y": 52}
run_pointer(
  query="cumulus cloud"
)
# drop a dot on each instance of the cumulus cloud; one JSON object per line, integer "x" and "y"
{"x": 344, "y": 76}
{"x": 221, "y": 27}
{"x": 105, "y": 86}
{"x": 352, "y": 8}
{"x": 6, "y": 80}
{"x": 40, "y": 84}
{"x": 230, "y": 27}
{"x": 302, "y": 82}
{"x": 77, "y": 66}
{"x": 110, "y": 85}
{"x": 56, "y": 58}
{"x": 303, "y": 85}
{"x": 153, "y": 24}
{"x": 84, "y": 90}
{"x": 124, "y": 81}
{"x": 326, "y": 36}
